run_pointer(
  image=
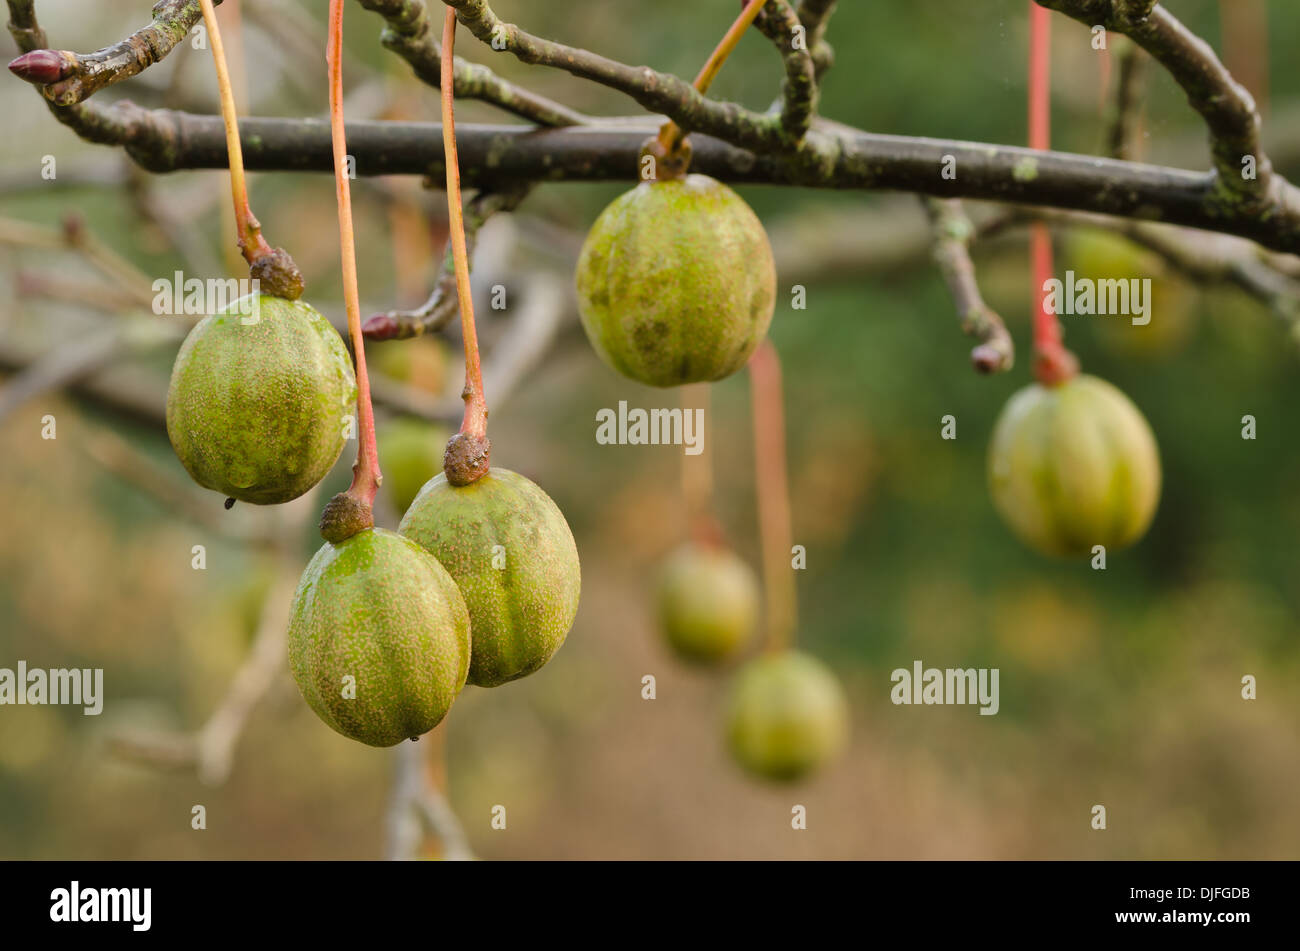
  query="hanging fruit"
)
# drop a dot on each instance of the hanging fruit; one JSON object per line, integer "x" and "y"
{"x": 498, "y": 534}
{"x": 260, "y": 394}
{"x": 676, "y": 282}
{"x": 707, "y": 603}
{"x": 379, "y": 635}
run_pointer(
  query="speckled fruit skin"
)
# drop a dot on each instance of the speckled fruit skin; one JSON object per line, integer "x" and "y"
{"x": 411, "y": 450}
{"x": 1073, "y": 466}
{"x": 379, "y": 608}
{"x": 707, "y": 603}
{"x": 676, "y": 282}
{"x": 520, "y": 613}
{"x": 256, "y": 411}
{"x": 786, "y": 716}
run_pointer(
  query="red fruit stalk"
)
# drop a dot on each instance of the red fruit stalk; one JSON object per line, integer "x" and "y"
{"x": 773, "y": 494}
{"x": 365, "y": 472}
{"x": 467, "y": 452}
{"x": 1053, "y": 364}
{"x": 251, "y": 243}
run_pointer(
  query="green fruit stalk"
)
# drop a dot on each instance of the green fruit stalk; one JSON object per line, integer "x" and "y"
{"x": 257, "y": 404}
{"x": 412, "y": 453}
{"x": 514, "y": 559}
{"x": 707, "y": 603}
{"x": 1073, "y": 466}
{"x": 676, "y": 282}
{"x": 379, "y": 638}
{"x": 786, "y": 716}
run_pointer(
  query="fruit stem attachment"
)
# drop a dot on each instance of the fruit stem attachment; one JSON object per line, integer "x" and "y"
{"x": 671, "y": 134}
{"x": 350, "y": 511}
{"x": 1053, "y": 364}
{"x": 273, "y": 268}
{"x": 468, "y": 452}
{"x": 773, "y": 495}
{"x": 697, "y": 476}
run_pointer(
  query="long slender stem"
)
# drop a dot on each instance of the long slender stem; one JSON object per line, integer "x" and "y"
{"x": 365, "y": 472}
{"x": 251, "y": 243}
{"x": 671, "y": 135}
{"x": 476, "y": 410}
{"x": 1053, "y": 364}
{"x": 697, "y": 474}
{"x": 773, "y": 494}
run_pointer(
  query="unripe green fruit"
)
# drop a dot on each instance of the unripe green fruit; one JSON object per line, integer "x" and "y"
{"x": 676, "y": 282}
{"x": 513, "y": 557}
{"x": 708, "y": 602}
{"x": 411, "y": 450}
{"x": 379, "y": 609}
{"x": 1073, "y": 466}
{"x": 256, "y": 410}
{"x": 787, "y": 715}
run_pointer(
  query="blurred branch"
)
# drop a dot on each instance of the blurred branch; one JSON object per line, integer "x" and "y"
{"x": 813, "y": 14}
{"x": 210, "y": 749}
{"x": 441, "y": 307}
{"x": 1127, "y": 114}
{"x": 74, "y": 236}
{"x": 172, "y": 490}
{"x": 778, "y": 23}
{"x": 532, "y": 331}
{"x": 416, "y": 796}
{"x": 953, "y": 233}
{"x": 409, "y": 34}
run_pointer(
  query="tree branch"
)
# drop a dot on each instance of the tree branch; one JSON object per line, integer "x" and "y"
{"x": 410, "y": 35}
{"x": 1127, "y": 111}
{"x": 813, "y": 14}
{"x": 1226, "y": 106}
{"x": 67, "y": 78}
{"x": 953, "y": 233}
{"x": 834, "y": 156}
{"x": 655, "y": 91}
{"x": 442, "y": 305}
{"x": 778, "y": 23}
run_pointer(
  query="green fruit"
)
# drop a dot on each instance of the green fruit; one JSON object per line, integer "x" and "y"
{"x": 676, "y": 282}
{"x": 1073, "y": 466}
{"x": 256, "y": 410}
{"x": 708, "y": 603}
{"x": 411, "y": 450}
{"x": 513, "y": 556}
{"x": 379, "y": 638}
{"x": 787, "y": 715}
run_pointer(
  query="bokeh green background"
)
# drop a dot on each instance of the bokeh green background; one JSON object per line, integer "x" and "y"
{"x": 1118, "y": 687}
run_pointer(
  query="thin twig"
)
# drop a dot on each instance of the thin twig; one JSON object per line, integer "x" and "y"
{"x": 1126, "y": 116}
{"x": 67, "y": 78}
{"x": 441, "y": 307}
{"x": 410, "y": 34}
{"x": 953, "y": 233}
{"x": 799, "y": 88}
{"x": 813, "y": 14}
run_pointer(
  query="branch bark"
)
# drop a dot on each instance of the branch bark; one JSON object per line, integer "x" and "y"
{"x": 835, "y": 156}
